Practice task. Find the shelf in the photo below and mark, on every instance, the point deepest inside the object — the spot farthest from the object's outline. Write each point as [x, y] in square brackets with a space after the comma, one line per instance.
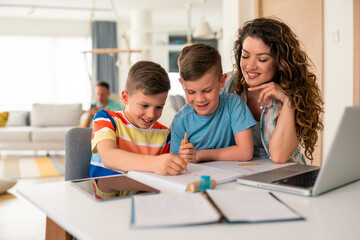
[111, 51]
[172, 48]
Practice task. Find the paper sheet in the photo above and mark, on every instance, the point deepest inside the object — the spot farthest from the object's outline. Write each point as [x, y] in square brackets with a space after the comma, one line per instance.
[181, 181]
[251, 206]
[265, 165]
[172, 210]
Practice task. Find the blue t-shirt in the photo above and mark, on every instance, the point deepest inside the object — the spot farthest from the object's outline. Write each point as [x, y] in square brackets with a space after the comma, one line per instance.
[214, 131]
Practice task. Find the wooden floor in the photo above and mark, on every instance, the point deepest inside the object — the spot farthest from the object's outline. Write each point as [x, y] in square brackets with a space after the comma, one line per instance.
[19, 219]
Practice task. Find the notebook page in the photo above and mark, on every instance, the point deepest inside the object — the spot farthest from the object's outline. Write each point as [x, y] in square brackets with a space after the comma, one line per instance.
[264, 165]
[251, 206]
[179, 182]
[163, 210]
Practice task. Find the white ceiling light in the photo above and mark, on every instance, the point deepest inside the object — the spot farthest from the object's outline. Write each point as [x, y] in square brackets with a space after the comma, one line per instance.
[203, 30]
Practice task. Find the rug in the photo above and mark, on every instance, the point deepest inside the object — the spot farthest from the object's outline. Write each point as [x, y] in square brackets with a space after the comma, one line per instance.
[32, 167]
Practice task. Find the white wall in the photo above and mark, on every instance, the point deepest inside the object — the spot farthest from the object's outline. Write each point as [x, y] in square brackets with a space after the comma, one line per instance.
[338, 65]
[43, 27]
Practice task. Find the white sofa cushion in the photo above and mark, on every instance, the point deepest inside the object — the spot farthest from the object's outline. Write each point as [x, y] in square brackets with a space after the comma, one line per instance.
[17, 119]
[15, 134]
[44, 115]
[49, 134]
[168, 114]
[177, 102]
[33, 146]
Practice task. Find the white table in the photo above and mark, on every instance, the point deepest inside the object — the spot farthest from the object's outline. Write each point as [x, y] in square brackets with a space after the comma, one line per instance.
[334, 215]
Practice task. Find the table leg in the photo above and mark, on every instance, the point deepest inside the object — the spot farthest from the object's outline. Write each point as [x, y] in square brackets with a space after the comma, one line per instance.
[54, 231]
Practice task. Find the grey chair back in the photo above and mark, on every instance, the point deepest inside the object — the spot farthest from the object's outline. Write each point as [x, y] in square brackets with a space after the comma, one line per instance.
[77, 153]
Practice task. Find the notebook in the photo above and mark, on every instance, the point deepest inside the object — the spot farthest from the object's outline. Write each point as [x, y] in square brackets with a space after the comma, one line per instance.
[211, 206]
[180, 182]
[342, 165]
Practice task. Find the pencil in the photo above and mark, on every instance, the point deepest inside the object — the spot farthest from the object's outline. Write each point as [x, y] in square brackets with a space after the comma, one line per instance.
[185, 141]
[249, 163]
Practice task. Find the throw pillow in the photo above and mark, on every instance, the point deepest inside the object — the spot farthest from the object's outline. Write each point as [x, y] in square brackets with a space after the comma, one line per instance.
[17, 119]
[45, 115]
[3, 118]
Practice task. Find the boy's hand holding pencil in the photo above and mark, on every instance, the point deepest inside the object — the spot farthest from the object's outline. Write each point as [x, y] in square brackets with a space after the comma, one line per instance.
[172, 164]
[187, 150]
[168, 164]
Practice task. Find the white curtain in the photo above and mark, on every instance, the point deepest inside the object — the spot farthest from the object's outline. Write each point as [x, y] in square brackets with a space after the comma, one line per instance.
[42, 70]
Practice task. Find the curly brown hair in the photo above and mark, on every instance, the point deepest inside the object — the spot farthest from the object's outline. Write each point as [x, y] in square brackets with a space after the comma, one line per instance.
[293, 74]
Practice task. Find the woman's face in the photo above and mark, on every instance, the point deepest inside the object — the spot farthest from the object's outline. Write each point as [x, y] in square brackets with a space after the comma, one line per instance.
[257, 64]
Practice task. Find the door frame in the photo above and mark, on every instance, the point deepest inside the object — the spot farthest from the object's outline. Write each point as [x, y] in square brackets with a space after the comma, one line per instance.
[356, 90]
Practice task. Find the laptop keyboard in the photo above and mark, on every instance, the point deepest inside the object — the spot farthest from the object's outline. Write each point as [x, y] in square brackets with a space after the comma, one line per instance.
[302, 180]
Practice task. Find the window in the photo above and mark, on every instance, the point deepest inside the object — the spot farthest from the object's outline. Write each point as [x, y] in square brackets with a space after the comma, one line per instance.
[42, 70]
[181, 40]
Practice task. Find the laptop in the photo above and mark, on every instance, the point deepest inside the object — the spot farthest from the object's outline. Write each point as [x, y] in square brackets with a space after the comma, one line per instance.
[342, 165]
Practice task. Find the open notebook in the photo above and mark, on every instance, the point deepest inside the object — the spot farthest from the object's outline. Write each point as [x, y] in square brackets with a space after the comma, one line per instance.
[180, 182]
[166, 210]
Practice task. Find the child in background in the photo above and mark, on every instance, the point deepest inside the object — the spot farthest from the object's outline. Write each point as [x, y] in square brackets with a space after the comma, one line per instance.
[133, 139]
[218, 125]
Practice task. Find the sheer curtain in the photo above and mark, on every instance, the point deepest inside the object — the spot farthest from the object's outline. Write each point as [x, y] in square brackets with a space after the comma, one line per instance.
[42, 70]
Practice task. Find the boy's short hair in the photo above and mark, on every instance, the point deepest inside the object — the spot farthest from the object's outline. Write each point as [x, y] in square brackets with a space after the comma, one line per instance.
[197, 59]
[149, 77]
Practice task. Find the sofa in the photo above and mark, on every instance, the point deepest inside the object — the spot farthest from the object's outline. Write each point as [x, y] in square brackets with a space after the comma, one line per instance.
[173, 104]
[42, 128]
[45, 126]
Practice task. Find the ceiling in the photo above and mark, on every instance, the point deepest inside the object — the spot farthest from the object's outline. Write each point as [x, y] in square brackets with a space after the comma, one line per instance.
[174, 11]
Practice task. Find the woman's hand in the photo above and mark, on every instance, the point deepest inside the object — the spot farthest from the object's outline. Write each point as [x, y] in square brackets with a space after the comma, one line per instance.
[283, 141]
[270, 90]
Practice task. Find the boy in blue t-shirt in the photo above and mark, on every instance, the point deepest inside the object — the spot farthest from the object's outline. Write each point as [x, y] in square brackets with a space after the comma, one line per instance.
[217, 125]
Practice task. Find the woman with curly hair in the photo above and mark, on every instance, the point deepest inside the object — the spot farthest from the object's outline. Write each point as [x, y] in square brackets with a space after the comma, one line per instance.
[273, 75]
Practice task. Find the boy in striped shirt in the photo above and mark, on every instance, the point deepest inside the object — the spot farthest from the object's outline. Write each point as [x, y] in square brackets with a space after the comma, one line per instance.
[133, 139]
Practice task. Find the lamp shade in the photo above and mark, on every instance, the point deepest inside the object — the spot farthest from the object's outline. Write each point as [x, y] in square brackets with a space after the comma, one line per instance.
[203, 31]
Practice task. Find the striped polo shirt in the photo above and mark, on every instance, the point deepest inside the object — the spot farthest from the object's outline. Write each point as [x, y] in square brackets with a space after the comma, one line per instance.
[114, 125]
